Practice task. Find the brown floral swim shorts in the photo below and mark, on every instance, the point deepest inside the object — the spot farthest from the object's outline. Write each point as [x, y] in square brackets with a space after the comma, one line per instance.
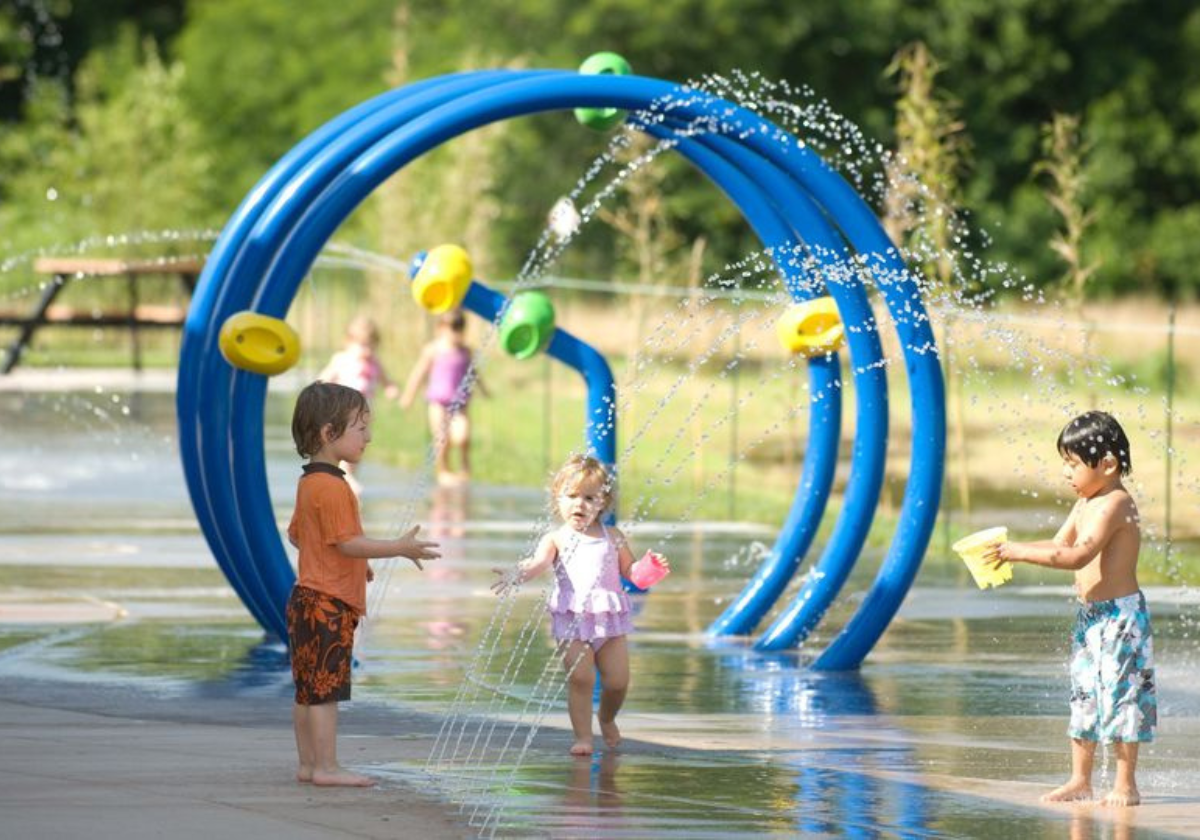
[321, 643]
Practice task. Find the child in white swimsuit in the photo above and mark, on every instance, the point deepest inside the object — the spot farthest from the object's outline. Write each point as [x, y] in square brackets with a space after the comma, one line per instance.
[357, 365]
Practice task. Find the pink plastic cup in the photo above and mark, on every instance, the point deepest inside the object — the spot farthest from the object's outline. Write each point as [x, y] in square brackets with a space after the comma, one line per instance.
[648, 571]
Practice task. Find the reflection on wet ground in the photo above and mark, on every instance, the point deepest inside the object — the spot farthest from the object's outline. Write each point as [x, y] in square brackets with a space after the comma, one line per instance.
[953, 728]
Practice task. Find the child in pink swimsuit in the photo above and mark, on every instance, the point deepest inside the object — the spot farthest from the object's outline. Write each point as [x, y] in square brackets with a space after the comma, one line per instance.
[445, 362]
[357, 366]
[589, 610]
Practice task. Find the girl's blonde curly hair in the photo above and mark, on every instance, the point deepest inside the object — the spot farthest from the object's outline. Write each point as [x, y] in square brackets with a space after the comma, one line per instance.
[577, 470]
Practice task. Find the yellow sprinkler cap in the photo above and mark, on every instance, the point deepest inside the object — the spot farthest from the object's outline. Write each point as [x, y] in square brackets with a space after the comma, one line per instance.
[258, 343]
[443, 279]
[812, 328]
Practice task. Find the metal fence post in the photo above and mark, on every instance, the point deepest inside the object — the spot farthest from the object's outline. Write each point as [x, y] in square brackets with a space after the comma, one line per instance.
[1170, 419]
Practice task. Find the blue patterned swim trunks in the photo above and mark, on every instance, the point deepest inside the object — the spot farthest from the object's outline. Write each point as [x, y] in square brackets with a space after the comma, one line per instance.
[1113, 695]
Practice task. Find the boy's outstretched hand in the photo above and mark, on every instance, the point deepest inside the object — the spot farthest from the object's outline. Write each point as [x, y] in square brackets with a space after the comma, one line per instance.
[416, 550]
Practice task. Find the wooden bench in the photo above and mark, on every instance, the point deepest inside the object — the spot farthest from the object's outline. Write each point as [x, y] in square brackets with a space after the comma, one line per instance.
[136, 316]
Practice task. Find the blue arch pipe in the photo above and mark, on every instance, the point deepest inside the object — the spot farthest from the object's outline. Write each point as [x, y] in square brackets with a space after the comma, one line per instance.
[296, 247]
[820, 462]
[868, 460]
[209, 491]
[242, 534]
[829, 574]
[600, 424]
[878, 256]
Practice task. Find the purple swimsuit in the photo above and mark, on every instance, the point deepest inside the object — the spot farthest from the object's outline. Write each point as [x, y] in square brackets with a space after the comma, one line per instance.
[446, 374]
[588, 602]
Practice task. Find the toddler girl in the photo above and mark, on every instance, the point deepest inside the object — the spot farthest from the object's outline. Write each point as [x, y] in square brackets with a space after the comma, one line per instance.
[357, 364]
[589, 610]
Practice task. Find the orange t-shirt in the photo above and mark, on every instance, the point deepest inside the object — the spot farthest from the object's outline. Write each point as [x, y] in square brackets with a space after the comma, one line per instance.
[327, 514]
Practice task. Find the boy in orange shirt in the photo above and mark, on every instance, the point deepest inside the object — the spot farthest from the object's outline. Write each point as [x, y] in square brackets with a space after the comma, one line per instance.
[330, 425]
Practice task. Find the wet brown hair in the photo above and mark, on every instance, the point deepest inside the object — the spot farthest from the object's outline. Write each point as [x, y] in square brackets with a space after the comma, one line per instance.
[577, 470]
[321, 404]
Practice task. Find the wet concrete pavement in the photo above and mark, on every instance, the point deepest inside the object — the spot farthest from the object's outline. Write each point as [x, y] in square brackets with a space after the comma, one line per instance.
[135, 692]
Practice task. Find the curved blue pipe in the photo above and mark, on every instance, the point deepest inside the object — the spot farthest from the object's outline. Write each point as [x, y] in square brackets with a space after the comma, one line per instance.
[901, 293]
[600, 421]
[553, 90]
[228, 479]
[820, 462]
[868, 458]
[868, 462]
[222, 532]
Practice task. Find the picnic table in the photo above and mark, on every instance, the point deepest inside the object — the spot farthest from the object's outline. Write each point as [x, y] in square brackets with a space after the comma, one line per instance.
[135, 315]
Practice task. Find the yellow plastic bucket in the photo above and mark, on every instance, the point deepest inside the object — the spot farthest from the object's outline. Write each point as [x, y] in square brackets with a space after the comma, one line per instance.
[974, 548]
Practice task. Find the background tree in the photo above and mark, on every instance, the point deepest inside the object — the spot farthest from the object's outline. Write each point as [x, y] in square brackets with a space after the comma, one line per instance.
[127, 157]
[1063, 164]
[922, 211]
[448, 194]
[1065, 192]
[261, 74]
[924, 193]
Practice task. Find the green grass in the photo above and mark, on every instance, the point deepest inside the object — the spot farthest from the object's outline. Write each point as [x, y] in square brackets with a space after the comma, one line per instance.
[109, 347]
[698, 459]
[669, 471]
[125, 578]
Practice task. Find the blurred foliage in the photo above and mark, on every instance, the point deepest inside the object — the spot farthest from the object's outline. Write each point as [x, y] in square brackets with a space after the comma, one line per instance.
[121, 152]
[1155, 370]
[209, 94]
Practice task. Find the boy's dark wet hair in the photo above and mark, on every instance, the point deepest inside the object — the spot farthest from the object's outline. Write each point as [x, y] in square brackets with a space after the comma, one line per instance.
[1091, 436]
[324, 403]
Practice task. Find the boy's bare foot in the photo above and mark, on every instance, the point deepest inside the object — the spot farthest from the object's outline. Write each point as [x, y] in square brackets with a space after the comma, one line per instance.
[341, 778]
[304, 775]
[1072, 791]
[581, 748]
[1122, 798]
[612, 735]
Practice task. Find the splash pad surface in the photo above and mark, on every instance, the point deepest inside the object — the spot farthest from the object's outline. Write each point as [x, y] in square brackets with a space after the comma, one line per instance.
[955, 723]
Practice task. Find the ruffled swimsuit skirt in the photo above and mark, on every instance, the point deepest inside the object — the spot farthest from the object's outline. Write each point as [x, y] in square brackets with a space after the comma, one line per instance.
[588, 602]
